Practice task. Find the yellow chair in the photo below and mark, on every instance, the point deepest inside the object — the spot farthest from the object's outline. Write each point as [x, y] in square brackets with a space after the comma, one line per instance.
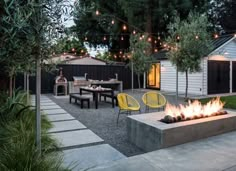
[153, 99]
[127, 104]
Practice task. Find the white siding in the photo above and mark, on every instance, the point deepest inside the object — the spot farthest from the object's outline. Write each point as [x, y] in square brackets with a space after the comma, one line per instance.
[204, 76]
[196, 84]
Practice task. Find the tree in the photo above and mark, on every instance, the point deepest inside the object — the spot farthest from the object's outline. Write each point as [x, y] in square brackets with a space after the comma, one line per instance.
[189, 41]
[69, 45]
[140, 57]
[222, 15]
[32, 26]
[150, 16]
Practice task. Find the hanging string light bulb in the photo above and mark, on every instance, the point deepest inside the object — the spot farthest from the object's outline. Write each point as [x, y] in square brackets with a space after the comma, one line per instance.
[97, 12]
[104, 38]
[85, 38]
[216, 36]
[112, 21]
[159, 38]
[122, 38]
[134, 32]
[155, 50]
[155, 42]
[149, 39]
[197, 37]
[124, 27]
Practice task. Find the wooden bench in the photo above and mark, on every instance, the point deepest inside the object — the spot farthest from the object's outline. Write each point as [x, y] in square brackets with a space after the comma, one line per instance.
[81, 98]
[108, 95]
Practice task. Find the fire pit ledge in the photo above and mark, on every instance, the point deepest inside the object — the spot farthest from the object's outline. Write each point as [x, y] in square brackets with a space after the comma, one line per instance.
[148, 133]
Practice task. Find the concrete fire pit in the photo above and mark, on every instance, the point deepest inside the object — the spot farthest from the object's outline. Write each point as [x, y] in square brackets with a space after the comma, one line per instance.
[147, 132]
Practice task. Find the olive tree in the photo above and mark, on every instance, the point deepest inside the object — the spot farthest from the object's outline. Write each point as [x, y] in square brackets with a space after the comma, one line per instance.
[189, 42]
[140, 58]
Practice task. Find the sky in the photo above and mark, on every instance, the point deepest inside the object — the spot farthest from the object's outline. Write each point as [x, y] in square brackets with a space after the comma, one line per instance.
[91, 51]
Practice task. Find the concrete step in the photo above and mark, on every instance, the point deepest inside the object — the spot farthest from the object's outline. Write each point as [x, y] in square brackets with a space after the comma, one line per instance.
[90, 157]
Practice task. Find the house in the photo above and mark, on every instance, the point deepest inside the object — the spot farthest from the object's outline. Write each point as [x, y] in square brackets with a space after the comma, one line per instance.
[77, 60]
[217, 75]
[85, 61]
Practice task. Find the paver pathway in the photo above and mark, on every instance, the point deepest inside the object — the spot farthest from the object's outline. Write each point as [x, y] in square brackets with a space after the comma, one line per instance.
[82, 148]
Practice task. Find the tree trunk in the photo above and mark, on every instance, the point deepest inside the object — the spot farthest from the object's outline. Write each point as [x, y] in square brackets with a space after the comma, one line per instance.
[10, 86]
[139, 84]
[24, 81]
[144, 80]
[14, 82]
[27, 88]
[186, 90]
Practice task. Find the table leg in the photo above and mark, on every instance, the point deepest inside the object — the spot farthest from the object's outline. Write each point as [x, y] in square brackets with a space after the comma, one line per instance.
[112, 98]
[80, 91]
[96, 100]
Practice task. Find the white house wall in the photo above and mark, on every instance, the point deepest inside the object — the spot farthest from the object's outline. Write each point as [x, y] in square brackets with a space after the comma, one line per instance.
[197, 81]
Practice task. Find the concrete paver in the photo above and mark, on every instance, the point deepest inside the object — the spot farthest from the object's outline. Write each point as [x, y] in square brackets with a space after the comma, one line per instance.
[60, 117]
[66, 126]
[74, 138]
[89, 157]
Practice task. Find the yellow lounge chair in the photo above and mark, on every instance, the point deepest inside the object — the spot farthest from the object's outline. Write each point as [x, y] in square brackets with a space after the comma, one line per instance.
[127, 104]
[153, 99]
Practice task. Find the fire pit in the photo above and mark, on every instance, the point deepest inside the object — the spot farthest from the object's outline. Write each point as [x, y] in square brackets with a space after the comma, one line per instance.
[194, 110]
[149, 132]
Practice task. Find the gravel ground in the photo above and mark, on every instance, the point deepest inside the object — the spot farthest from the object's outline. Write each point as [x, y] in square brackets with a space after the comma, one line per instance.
[102, 121]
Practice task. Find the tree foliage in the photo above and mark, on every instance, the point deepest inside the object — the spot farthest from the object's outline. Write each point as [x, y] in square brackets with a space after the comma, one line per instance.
[27, 31]
[222, 15]
[69, 45]
[140, 58]
[189, 42]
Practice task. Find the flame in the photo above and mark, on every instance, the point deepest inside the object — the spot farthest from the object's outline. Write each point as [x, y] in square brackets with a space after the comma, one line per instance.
[195, 108]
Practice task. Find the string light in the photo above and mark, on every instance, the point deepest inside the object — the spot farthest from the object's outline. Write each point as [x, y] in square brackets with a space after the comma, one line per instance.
[97, 12]
[104, 38]
[73, 49]
[177, 37]
[159, 38]
[64, 53]
[155, 42]
[216, 36]
[124, 27]
[122, 38]
[112, 21]
[235, 35]
[85, 38]
[82, 51]
[134, 32]
[155, 50]
[197, 37]
[149, 39]
[120, 52]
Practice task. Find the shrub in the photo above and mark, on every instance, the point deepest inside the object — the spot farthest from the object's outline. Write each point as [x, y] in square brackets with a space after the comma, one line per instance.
[17, 138]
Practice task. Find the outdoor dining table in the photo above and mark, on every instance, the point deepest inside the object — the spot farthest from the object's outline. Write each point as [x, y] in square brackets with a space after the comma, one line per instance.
[96, 91]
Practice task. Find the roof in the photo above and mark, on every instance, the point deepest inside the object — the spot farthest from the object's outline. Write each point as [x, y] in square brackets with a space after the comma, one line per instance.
[216, 43]
[78, 58]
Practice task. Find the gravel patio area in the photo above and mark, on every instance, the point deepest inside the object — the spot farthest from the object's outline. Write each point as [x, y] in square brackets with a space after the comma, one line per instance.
[102, 121]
